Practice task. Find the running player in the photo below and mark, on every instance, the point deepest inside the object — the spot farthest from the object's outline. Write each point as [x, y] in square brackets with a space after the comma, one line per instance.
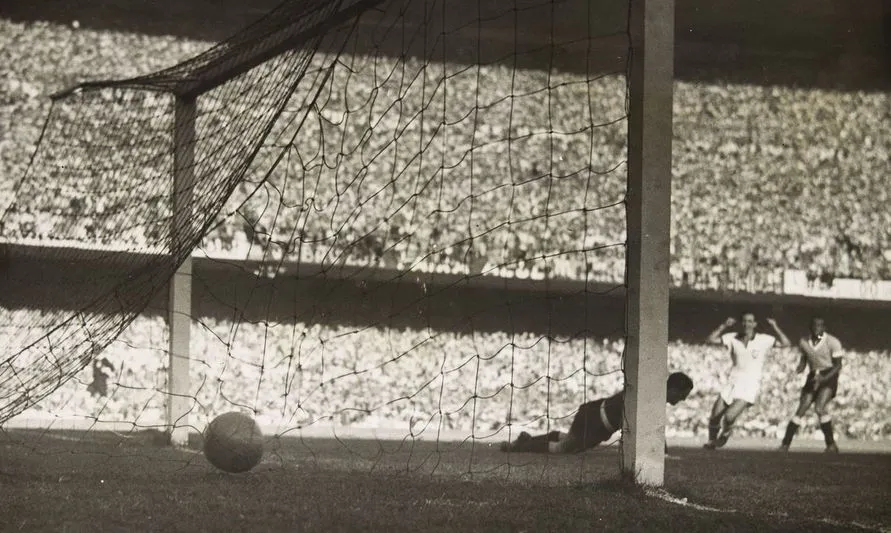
[822, 353]
[748, 349]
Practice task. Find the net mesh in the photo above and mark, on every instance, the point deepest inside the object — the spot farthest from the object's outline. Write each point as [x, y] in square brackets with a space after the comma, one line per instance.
[386, 204]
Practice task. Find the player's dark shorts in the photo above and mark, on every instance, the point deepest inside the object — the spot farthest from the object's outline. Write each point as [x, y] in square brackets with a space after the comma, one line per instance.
[831, 384]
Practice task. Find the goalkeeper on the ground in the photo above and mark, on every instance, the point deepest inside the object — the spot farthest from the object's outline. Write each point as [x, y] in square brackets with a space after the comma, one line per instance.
[595, 422]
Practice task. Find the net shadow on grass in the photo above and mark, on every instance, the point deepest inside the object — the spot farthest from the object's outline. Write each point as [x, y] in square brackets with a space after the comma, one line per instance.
[336, 483]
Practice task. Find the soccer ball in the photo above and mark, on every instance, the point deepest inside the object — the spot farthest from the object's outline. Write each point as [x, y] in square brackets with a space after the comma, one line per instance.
[233, 442]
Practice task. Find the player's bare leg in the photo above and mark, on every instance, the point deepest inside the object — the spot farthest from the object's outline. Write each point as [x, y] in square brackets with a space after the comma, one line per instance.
[804, 403]
[821, 405]
[714, 422]
[730, 415]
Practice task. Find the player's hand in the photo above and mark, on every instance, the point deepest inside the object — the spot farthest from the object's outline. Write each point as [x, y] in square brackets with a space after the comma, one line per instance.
[772, 322]
[729, 322]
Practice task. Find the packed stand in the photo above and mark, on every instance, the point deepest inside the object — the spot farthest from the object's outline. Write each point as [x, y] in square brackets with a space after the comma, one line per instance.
[765, 178]
[295, 375]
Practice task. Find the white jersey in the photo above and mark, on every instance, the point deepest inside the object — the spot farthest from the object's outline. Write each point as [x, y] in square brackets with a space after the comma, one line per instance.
[748, 358]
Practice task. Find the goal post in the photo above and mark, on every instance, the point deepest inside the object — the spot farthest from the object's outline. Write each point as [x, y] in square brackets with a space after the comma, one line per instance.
[179, 321]
[649, 221]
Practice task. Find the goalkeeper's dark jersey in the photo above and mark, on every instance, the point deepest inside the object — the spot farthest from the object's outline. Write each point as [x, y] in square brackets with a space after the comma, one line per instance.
[597, 421]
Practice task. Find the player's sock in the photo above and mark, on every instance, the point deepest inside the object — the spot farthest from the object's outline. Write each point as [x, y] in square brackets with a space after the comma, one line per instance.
[791, 430]
[725, 433]
[526, 443]
[554, 436]
[714, 427]
[723, 438]
[826, 426]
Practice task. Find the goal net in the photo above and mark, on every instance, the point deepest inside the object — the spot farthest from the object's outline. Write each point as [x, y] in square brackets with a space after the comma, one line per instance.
[404, 220]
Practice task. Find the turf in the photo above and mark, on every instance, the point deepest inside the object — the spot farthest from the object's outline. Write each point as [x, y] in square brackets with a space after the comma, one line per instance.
[98, 481]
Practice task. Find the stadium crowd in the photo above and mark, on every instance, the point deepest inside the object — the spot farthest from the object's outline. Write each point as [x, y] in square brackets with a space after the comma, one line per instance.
[765, 178]
[294, 375]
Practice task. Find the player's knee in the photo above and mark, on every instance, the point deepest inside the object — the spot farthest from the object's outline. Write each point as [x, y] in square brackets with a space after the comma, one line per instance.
[731, 415]
[804, 406]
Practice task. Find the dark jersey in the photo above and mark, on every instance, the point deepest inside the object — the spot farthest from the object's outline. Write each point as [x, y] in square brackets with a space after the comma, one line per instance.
[596, 421]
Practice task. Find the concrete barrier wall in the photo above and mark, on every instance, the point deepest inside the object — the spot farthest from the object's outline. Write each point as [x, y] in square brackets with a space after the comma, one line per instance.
[232, 290]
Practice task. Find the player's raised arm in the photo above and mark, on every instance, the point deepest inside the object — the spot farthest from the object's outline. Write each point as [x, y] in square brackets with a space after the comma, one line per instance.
[715, 336]
[784, 340]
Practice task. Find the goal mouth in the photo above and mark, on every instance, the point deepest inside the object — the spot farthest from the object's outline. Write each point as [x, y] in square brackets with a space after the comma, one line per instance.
[363, 216]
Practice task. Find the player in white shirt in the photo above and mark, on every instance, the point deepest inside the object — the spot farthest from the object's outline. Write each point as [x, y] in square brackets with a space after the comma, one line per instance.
[748, 349]
[822, 353]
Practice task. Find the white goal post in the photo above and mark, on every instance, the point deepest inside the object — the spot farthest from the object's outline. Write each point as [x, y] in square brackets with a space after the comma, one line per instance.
[649, 222]
[179, 397]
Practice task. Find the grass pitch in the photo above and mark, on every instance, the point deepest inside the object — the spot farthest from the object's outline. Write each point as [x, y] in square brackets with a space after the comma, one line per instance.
[103, 481]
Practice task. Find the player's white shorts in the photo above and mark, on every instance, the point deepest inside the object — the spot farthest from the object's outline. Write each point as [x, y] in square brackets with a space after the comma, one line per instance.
[743, 388]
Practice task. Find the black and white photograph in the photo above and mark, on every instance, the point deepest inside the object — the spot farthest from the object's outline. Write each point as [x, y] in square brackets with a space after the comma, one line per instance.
[445, 266]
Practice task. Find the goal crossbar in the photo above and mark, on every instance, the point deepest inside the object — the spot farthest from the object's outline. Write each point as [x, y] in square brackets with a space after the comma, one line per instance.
[283, 29]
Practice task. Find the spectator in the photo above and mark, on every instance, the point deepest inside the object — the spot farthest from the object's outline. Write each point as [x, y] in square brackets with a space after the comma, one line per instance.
[103, 369]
